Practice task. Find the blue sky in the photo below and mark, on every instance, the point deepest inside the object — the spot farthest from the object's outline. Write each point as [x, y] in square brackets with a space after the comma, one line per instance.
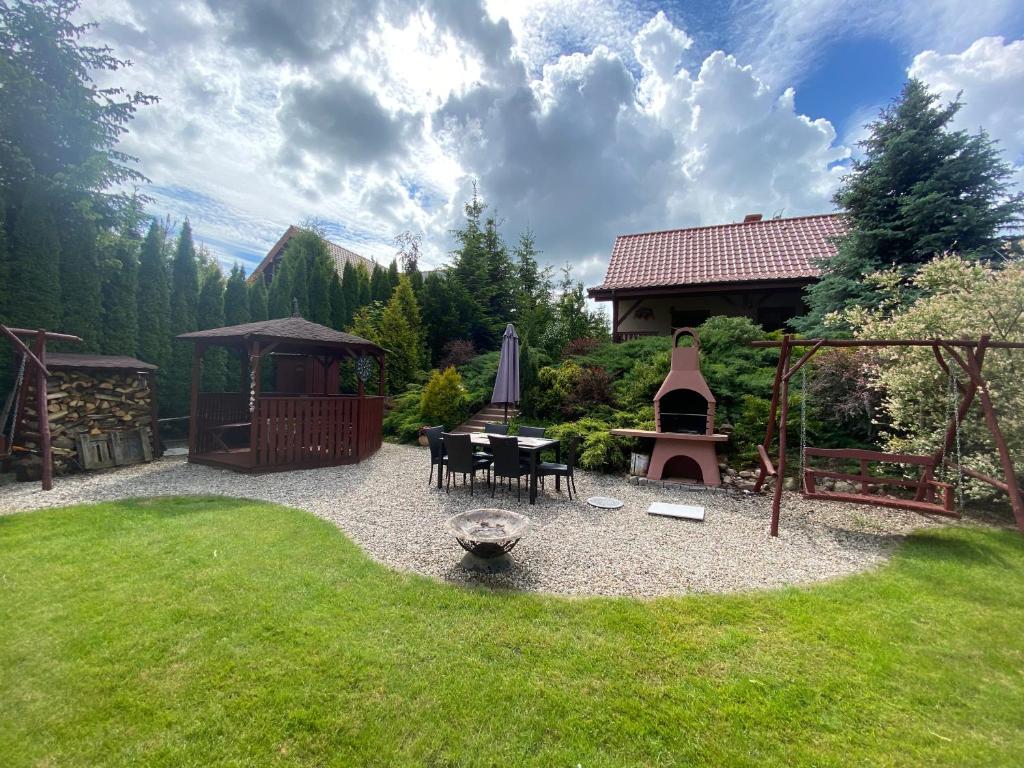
[579, 119]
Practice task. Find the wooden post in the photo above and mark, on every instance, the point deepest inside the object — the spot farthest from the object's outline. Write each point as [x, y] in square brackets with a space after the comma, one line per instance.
[780, 466]
[780, 370]
[254, 388]
[197, 369]
[154, 416]
[41, 409]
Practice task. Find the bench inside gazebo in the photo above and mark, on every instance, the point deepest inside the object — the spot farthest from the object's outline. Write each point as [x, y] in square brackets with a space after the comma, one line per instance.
[302, 420]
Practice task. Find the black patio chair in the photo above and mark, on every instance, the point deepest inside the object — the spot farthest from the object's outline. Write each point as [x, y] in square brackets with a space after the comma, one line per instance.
[437, 452]
[462, 461]
[508, 464]
[566, 470]
[496, 429]
[532, 431]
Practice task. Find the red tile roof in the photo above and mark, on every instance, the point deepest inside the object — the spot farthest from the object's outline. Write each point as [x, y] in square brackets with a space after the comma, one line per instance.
[773, 249]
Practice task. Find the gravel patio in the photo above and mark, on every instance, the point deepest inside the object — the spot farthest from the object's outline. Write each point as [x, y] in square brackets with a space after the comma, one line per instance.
[386, 506]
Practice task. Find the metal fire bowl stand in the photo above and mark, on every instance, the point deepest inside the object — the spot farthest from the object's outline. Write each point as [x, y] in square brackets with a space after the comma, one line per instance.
[488, 535]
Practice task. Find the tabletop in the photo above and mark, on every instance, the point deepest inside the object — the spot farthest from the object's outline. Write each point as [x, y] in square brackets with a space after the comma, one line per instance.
[529, 443]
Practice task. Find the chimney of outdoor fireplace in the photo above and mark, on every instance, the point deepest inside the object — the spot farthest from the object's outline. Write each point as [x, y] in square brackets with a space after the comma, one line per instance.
[750, 218]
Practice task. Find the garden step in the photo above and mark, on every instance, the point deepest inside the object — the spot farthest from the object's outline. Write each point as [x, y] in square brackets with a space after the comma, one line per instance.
[489, 414]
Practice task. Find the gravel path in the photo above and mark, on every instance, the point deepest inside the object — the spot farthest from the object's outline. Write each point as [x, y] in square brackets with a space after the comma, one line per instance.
[386, 506]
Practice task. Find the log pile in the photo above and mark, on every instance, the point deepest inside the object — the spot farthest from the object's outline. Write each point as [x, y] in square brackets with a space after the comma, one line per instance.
[95, 402]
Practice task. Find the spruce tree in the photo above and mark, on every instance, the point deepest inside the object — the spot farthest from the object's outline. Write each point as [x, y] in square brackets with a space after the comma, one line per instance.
[338, 308]
[80, 278]
[210, 314]
[154, 298]
[258, 299]
[920, 189]
[350, 288]
[34, 287]
[120, 292]
[184, 300]
[236, 297]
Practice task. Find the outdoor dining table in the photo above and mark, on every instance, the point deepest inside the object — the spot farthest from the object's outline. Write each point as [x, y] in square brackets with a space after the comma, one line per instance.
[532, 446]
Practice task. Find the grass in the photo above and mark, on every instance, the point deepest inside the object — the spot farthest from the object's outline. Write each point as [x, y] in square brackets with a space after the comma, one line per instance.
[196, 631]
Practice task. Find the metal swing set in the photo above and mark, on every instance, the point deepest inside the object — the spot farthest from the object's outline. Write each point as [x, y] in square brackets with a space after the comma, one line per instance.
[931, 496]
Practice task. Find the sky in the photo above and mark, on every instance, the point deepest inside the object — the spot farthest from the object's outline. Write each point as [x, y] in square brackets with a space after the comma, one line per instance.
[577, 120]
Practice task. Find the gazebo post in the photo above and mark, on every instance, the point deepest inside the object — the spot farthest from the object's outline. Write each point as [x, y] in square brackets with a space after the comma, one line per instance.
[380, 378]
[254, 387]
[197, 369]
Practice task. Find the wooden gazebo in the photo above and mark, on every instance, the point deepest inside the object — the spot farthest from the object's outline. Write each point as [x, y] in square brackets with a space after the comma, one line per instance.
[306, 421]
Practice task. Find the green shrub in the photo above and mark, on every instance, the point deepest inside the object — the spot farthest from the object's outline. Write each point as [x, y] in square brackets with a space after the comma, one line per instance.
[404, 419]
[478, 379]
[444, 400]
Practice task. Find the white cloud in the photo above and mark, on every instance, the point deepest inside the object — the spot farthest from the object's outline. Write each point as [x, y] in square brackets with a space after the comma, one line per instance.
[990, 76]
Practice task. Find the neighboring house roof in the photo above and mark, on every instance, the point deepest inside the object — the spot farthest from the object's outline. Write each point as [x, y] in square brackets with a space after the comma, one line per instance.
[114, 362]
[339, 255]
[753, 250]
[290, 332]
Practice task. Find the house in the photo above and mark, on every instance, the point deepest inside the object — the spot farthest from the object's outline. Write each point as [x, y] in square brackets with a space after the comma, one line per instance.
[758, 268]
[339, 255]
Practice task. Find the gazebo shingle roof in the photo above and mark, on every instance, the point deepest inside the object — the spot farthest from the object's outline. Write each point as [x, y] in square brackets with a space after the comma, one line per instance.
[292, 330]
[773, 249]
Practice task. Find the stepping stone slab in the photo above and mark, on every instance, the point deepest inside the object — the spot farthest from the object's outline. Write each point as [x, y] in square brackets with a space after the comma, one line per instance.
[604, 502]
[684, 511]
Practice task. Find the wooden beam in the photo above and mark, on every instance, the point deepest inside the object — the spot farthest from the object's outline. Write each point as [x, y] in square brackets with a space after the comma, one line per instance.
[629, 311]
[197, 369]
[254, 389]
[780, 465]
[946, 343]
[43, 413]
[50, 335]
[802, 361]
[780, 370]
[10, 333]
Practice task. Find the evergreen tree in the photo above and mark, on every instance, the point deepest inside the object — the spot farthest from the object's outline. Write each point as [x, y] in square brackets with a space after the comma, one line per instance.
[408, 246]
[320, 279]
[34, 287]
[5, 267]
[399, 335]
[120, 292]
[296, 257]
[393, 274]
[154, 299]
[380, 288]
[258, 299]
[210, 314]
[338, 308]
[236, 297]
[279, 297]
[80, 278]
[184, 300]
[350, 289]
[533, 290]
[446, 310]
[921, 189]
[365, 295]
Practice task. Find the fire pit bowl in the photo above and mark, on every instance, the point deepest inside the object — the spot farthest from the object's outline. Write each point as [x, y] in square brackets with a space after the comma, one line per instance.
[488, 535]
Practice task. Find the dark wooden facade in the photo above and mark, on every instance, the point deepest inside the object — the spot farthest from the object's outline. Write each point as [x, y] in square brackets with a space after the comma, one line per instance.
[306, 423]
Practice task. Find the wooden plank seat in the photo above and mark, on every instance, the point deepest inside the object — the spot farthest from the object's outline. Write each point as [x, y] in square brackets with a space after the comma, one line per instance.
[931, 496]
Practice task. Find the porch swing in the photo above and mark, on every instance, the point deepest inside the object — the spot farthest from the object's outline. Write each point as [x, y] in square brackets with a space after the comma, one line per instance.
[931, 496]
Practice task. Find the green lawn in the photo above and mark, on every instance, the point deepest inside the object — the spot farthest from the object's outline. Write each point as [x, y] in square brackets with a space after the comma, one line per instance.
[216, 632]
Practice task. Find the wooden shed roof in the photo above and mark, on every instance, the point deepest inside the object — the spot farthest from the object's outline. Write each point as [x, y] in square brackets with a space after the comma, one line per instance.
[112, 362]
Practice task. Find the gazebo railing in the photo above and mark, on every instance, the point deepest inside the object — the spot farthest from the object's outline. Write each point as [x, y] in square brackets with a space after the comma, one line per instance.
[214, 409]
[311, 431]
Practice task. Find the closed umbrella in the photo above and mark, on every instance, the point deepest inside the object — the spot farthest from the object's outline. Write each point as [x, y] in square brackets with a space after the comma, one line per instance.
[506, 384]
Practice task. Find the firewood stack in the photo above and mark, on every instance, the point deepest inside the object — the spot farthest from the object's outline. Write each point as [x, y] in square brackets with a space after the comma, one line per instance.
[96, 402]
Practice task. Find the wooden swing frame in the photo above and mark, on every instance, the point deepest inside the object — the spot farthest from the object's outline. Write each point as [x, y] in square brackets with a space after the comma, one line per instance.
[968, 355]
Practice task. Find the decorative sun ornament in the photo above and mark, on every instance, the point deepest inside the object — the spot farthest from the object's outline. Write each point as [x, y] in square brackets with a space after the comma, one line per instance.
[364, 368]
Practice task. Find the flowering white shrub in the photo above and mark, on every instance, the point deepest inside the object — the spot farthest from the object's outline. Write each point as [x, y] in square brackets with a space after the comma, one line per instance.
[948, 298]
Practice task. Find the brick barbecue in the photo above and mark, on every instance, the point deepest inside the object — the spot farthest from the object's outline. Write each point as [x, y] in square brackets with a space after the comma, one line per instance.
[684, 417]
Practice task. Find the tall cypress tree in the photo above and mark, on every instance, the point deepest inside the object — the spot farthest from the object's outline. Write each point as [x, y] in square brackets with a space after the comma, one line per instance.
[350, 289]
[297, 258]
[258, 299]
[921, 189]
[184, 300]
[80, 272]
[337, 302]
[210, 314]
[5, 265]
[393, 274]
[279, 297]
[320, 285]
[380, 288]
[120, 292]
[34, 287]
[154, 299]
[365, 295]
[236, 297]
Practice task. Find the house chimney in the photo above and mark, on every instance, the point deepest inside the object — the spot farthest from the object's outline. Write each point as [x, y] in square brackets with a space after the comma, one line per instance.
[750, 218]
